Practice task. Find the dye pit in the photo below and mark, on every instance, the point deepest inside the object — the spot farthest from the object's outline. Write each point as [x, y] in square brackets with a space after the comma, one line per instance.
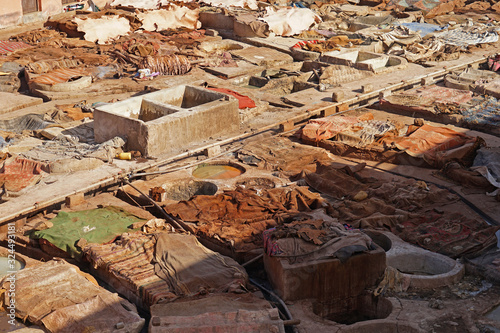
[217, 171]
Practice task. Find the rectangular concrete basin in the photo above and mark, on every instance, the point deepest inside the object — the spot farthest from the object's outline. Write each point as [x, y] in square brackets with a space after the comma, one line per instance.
[167, 120]
[325, 279]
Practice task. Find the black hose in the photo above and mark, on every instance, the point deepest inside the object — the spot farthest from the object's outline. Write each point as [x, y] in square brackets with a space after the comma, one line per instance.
[276, 299]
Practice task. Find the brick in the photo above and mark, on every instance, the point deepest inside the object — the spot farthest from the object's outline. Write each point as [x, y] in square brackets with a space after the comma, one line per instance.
[328, 111]
[338, 96]
[74, 200]
[213, 151]
[367, 88]
[342, 107]
[287, 126]
[426, 81]
[384, 94]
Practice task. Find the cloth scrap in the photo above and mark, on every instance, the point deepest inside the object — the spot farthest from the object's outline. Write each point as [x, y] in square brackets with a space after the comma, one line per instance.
[243, 101]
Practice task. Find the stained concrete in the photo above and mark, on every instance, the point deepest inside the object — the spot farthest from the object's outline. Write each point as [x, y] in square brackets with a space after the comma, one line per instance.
[11, 102]
[167, 120]
[325, 279]
[223, 313]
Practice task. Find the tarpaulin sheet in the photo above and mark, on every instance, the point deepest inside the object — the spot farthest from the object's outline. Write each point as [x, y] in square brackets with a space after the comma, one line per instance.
[7, 47]
[429, 141]
[60, 297]
[326, 128]
[99, 226]
[243, 101]
[487, 163]
[188, 266]
[30, 122]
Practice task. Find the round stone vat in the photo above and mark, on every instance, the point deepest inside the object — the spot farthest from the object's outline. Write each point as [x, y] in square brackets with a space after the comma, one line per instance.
[10, 264]
[258, 183]
[218, 171]
[381, 326]
[352, 310]
[184, 190]
[427, 270]
[380, 239]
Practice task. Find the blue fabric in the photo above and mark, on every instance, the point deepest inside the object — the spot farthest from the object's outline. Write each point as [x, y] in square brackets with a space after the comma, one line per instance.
[485, 111]
[424, 28]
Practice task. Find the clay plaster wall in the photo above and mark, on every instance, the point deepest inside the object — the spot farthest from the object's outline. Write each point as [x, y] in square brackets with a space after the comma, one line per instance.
[11, 13]
[101, 3]
[51, 7]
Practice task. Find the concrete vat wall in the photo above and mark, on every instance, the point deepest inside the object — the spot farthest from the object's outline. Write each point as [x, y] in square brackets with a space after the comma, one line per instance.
[167, 120]
[326, 279]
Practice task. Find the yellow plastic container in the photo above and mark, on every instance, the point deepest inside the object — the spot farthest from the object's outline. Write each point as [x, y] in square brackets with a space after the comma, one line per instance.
[124, 156]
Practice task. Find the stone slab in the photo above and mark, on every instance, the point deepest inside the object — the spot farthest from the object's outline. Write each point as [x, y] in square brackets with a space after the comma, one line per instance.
[263, 56]
[11, 102]
[244, 68]
[216, 313]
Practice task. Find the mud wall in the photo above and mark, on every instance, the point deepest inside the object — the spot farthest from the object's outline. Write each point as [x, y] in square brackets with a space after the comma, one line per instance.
[51, 7]
[11, 13]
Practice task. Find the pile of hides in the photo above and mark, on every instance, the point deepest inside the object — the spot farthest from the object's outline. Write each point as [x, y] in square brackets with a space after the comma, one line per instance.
[127, 262]
[358, 131]
[403, 206]
[451, 234]
[436, 145]
[315, 240]
[282, 155]
[103, 29]
[240, 216]
[250, 4]
[427, 99]
[163, 266]
[334, 75]
[166, 65]
[61, 298]
[8, 47]
[101, 225]
[289, 22]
